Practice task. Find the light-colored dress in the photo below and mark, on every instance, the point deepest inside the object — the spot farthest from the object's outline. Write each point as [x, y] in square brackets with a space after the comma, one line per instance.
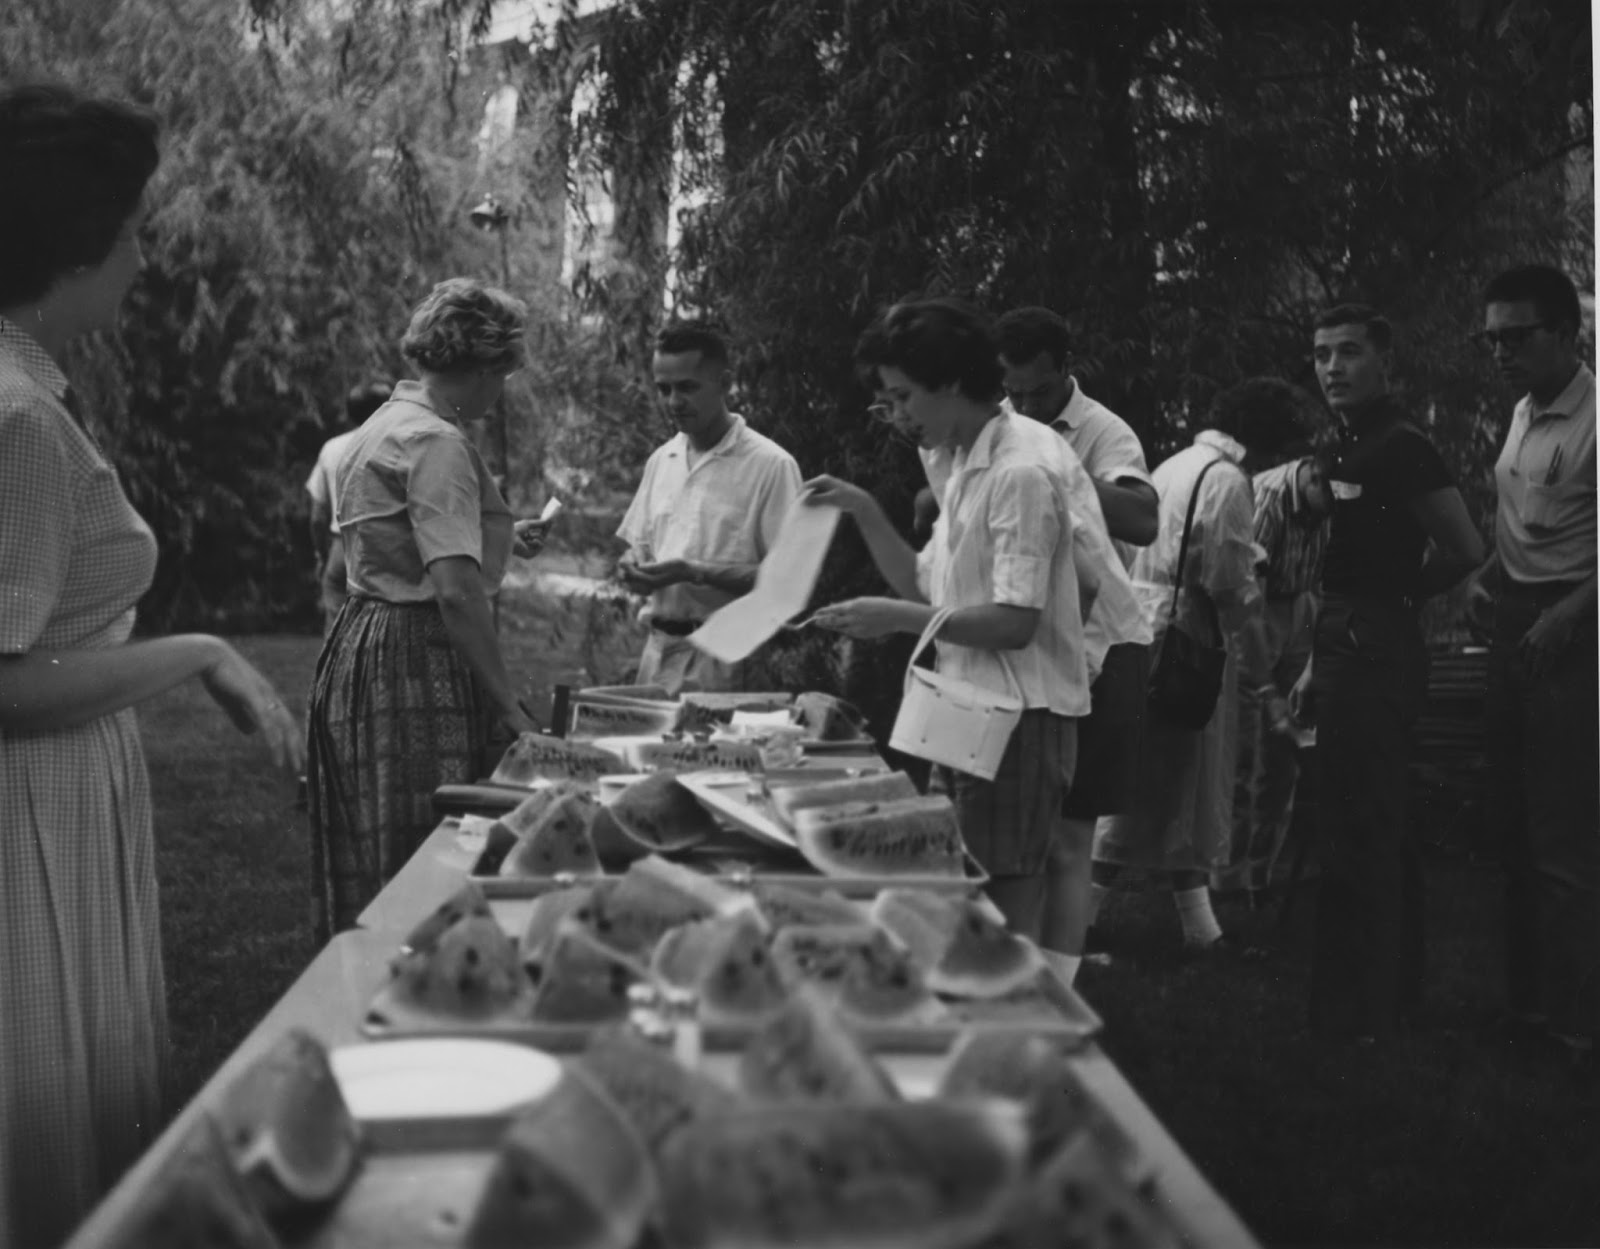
[83, 1030]
[1184, 816]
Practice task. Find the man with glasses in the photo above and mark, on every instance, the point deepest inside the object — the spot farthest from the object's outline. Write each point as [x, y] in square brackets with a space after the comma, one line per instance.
[1538, 588]
[707, 511]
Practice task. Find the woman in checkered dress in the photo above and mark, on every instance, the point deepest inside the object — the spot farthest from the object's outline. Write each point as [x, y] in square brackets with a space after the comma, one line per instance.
[82, 1010]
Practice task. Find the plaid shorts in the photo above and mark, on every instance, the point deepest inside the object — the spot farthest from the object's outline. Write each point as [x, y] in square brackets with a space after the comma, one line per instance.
[1007, 822]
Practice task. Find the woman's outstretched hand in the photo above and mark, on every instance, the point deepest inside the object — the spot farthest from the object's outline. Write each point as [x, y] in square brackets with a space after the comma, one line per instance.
[253, 705]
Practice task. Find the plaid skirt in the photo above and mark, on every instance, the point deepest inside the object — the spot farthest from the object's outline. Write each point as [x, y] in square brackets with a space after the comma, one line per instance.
[394, 714]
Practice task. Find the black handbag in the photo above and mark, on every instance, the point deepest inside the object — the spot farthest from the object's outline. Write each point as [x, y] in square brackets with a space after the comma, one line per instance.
[1185, 673]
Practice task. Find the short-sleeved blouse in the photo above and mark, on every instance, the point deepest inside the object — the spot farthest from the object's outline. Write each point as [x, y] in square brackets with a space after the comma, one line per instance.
[412, 489]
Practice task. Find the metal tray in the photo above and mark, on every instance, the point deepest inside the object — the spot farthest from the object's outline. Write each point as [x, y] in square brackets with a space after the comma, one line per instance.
[740, 862]
[415, 1188]
[1051, 1008]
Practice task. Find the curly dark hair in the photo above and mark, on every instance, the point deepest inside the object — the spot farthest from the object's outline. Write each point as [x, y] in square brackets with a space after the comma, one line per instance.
[1266, 414]
[462, 325]
[75, 169]
[935, 342]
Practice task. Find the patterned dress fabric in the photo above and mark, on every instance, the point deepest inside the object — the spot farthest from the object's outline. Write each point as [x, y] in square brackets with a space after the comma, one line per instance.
[395, 714]
[83, 1029]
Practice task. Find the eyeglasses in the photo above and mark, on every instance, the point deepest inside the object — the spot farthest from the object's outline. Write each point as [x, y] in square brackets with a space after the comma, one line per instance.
[1511, 337]
[883, 413]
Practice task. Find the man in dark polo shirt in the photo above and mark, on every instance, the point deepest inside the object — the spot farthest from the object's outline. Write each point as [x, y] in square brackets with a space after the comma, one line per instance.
[1543, 675]
[1399, 533]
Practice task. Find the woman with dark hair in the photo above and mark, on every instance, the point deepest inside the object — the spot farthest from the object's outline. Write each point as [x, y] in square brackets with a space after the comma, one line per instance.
[83, 1033]
[411, 689]
[1181, 825]
[1002, 556]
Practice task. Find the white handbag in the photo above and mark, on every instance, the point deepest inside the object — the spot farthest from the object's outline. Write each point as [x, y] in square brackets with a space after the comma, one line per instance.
[951, 721]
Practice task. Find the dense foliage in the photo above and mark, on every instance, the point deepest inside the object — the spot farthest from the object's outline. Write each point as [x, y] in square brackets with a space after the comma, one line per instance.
[302, 206]
[1186, 182]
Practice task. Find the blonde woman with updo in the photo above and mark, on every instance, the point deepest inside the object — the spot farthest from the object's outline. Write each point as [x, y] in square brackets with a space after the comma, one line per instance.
[411, 687]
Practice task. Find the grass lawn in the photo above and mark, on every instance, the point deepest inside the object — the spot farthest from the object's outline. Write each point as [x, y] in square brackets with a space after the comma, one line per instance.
[1434, 1140]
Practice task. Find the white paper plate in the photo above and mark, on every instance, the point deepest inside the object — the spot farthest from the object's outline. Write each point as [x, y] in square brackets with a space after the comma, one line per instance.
[447, 1078]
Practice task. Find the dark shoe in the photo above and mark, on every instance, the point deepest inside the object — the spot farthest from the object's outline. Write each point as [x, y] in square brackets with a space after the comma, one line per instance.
[1224, 947]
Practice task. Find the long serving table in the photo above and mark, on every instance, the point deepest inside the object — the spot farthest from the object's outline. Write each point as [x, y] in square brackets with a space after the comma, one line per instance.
[331, 995]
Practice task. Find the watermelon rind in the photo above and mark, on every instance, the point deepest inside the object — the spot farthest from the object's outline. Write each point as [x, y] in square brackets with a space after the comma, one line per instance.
[571, 1173]
[902, 837]
[787, 800]
[909, 1175]
[288, 1131]
[804, 1051]
[195, 1200]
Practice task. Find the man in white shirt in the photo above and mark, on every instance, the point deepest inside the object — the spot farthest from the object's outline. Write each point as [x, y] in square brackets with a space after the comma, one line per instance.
[1035, 348]
[1543, 677]
[707, 511]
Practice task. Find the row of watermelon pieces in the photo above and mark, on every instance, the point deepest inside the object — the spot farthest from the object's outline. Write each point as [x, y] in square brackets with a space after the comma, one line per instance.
[627, 710]
[876, 826]
[736, 953]
[813, 1148]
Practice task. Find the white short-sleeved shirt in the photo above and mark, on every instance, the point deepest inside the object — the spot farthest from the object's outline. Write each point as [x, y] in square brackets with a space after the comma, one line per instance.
[1106, 443]
[1115, 614]
[1110, 450]
[320, 485]
[1545, 524]
[725, 509]
[1005, 535]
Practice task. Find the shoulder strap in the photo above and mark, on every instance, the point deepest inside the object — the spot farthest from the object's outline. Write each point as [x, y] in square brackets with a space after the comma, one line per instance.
[1188, 524]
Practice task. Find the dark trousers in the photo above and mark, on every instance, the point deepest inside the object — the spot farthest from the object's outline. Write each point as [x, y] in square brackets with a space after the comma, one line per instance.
[1544, 750]
[1369, 679]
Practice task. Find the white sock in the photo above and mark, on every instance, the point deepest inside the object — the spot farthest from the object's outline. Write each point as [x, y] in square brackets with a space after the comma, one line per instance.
[1067, 965]
[1097, 895]
[1200, 926]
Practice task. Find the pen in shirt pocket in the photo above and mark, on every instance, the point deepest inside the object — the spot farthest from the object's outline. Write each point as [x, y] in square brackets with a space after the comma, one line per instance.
[1554, 469]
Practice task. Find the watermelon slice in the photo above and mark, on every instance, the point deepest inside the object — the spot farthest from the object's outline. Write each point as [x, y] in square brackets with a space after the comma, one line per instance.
[658, 1094]
[984, 958]
[804, 1052]
[582, 980]
[783, 905]
[287, 1128]
[538, 756]
[1079, 1198]
[547, 912]
[195, 1200]
[471, 973]
[570, 1174]
[655, 895]
[878, 787]
[830, 719]
[1037, 1073]
[726, 962]
[858, 969]
[907, 1175]
[653, 814]
[558, 841]
[465, 901]
[901, 837]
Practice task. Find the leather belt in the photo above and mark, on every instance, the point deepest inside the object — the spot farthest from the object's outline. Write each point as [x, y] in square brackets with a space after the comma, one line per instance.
[674, 628]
